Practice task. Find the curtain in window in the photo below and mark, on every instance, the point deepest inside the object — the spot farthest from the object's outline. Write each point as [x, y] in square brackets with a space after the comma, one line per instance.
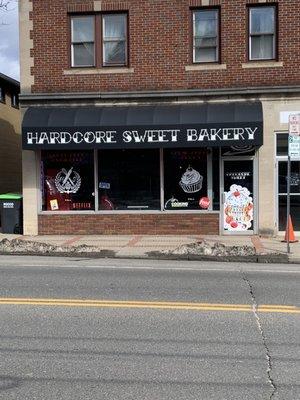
[114, 39]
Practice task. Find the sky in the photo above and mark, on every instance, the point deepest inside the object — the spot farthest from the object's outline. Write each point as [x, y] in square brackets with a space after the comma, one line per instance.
[9, 41]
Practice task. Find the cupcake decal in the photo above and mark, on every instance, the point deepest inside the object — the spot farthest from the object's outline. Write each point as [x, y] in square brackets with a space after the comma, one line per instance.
[191, 181]
[238, 209]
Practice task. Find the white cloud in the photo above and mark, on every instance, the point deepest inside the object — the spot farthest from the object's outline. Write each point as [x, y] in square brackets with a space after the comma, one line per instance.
[9, 42]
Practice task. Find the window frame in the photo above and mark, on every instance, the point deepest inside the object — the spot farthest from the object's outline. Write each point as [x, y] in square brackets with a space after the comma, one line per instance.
[2, 95]
[77, 16]
[217, 9]
[14, 103]
[274, 34]
[280, 158]
[211, 210]
[102, 41]
[98, 40]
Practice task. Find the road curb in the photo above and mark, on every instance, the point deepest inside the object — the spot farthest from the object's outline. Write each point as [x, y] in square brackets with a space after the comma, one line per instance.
[263, 258]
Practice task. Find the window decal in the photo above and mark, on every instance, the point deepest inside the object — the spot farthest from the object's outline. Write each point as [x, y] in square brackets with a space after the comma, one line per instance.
[238, 209]
[191, 181]
[67, 181]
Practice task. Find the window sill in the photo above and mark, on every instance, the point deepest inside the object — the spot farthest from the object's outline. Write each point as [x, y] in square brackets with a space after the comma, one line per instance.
[205, 67]
[120, 212]
[98, 71]
[262, 64]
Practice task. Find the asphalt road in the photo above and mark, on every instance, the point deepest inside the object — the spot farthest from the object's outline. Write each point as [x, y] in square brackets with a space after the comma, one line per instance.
[113, 329]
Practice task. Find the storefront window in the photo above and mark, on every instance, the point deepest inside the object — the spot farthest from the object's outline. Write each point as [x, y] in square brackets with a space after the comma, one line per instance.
[295, 211]
[129, 179]
[216, 178]
[185, 179]
[282, 144]
[67, 180]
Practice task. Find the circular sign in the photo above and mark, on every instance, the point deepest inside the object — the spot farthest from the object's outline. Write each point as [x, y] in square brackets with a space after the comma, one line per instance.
[204, 202]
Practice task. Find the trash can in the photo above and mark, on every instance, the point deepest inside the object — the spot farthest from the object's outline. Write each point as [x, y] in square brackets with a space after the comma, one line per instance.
[11, 213]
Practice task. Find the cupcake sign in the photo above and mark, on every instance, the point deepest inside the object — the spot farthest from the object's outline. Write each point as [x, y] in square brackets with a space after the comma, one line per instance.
[238, 209]
[191, 181]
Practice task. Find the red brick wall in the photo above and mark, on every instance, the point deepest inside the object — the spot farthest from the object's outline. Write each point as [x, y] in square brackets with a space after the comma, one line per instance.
[127, 224]
[160, 47]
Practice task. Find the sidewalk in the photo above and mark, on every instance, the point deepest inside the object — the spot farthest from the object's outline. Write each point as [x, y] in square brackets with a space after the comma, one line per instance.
[138, 246]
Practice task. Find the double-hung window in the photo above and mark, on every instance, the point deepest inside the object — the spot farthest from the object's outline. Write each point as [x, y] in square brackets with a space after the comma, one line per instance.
[99, 40]
[83, 41]
[205, 35]
[262, 33]
[114, 40]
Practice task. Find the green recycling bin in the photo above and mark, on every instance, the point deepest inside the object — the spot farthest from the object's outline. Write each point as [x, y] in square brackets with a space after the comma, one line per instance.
[11, 213]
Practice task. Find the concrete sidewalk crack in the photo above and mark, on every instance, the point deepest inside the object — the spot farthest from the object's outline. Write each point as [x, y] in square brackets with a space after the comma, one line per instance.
[263, 336]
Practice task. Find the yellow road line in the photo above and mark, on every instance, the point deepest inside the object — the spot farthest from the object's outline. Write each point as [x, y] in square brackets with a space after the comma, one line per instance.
[268, 308]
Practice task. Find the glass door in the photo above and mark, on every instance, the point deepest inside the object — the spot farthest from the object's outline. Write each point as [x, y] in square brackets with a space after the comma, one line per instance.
[282, 194]
[238, 196]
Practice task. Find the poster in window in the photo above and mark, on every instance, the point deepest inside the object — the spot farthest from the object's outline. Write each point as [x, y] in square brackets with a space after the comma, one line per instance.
[238, 209]
[67, 180]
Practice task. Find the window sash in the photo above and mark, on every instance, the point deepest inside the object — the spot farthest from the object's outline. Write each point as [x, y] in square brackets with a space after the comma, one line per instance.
[73, 55]
[262, 34]
[77, 42]
[114, 39]
[273, 50]
[206, 36]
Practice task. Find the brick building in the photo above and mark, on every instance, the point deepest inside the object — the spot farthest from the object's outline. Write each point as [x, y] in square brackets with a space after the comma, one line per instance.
[158, 116]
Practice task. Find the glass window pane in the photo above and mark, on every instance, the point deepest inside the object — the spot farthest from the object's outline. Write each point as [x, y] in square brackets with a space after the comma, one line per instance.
[114, 53]
[262, 20]
[206, 42]
[114, 26]
[83, 29]
[295, 212]
[129, 180]
[216, 178]
[206, 23]
[282, 144]
[67, 180]
[83, 54]
[185, 178]
[238, 189]
[282, 177]
[206, 54]
[262, 47]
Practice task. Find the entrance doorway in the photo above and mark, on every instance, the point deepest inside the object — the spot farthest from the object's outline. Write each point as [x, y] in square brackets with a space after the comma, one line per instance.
[238, 209]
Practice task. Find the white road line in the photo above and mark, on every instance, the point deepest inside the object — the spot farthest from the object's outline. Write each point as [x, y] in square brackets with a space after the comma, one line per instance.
[154, 268]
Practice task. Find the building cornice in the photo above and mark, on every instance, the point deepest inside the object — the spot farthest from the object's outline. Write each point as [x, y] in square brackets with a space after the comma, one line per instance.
[163, 94]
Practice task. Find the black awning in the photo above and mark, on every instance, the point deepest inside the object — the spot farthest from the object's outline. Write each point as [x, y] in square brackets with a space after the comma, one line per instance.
[185, 125]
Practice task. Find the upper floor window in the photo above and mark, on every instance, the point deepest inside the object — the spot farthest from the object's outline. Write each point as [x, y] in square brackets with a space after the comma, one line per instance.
[99, 40]
[114, 39]
[15, 100]
[2, 95]
[83, 41]
[262, 33]
[205, 35]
